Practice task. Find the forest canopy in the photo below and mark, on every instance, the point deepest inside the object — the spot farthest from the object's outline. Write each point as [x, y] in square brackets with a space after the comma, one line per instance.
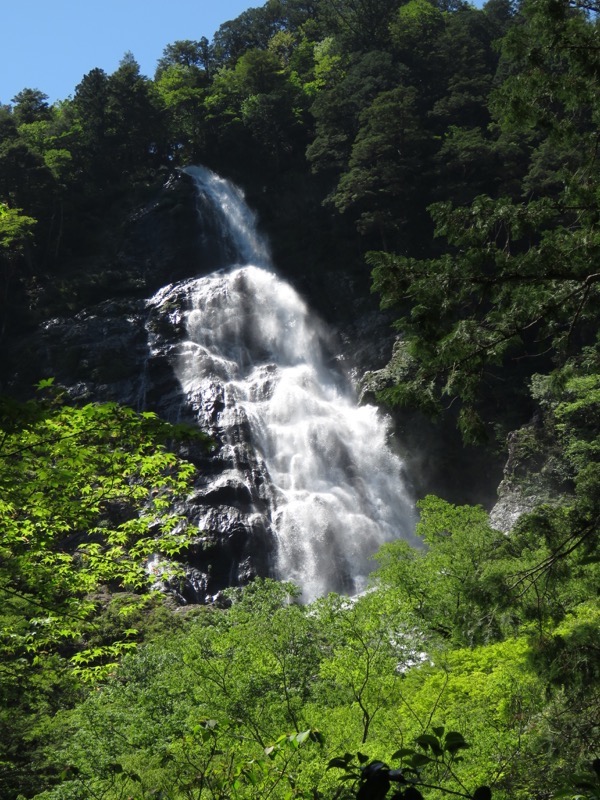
[451, 152]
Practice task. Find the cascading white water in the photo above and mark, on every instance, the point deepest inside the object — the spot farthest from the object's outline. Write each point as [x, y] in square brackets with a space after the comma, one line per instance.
[333, 489]
[235, 221]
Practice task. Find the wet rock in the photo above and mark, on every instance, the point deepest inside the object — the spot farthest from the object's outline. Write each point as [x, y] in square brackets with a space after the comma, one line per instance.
[533, 474]
[136, 351]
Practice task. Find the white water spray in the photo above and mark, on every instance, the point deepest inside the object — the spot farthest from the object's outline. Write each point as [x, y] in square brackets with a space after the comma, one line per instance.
[333, 489]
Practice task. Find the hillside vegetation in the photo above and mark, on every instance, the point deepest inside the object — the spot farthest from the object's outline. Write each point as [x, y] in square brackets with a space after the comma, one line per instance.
[452, 152]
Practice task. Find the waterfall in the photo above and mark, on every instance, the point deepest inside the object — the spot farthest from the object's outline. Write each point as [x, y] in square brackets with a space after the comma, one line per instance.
[257, 369]
[233, 222]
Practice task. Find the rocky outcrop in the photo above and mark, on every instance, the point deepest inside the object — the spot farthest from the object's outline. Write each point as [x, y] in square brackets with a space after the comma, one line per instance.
[126, 348]
[534, 474]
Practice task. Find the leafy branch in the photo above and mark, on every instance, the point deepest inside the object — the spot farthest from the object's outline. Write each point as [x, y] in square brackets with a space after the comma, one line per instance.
[436, 752]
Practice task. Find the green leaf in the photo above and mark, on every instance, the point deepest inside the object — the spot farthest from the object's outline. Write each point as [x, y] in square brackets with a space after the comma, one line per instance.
[426, 741]
[419, 760]
[340, 763]
[454, 741]
[302, 736]
[404, 752]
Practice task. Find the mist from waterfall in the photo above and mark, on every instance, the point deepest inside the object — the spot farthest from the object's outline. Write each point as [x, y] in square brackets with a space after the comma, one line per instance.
[331, 489]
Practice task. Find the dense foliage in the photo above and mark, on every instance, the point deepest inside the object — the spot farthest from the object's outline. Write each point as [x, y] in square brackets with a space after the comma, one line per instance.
[514, 289]
[349, 117]
[87, 497]
[455, 150]
[268, 698]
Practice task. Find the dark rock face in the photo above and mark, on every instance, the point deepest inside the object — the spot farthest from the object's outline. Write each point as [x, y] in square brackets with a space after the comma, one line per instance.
[161, 241]
[534, 474]
[96, 354]
[125, 348]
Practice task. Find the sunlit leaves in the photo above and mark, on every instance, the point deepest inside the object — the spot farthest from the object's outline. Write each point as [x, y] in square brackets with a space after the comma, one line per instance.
[87, 497]
[428, 765]
[15, 228]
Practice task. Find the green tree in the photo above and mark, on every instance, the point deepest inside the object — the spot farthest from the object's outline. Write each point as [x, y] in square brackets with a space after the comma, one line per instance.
[182, 92]
[189, 54]
[363, 660]
[387, 160]
[135, 131]
[30, 105]
[200, 713]
[251, 30]
[120, 127]
[16, 234]
[87, 498]
[517, 283]
[521, 280]
[90, 116]
[346, 86]
[361, 25]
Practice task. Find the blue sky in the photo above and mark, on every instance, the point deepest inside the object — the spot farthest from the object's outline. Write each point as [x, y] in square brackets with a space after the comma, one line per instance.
[51, 44]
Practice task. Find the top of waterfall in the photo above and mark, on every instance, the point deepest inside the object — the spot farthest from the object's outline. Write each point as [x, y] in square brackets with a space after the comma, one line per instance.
[236, 220]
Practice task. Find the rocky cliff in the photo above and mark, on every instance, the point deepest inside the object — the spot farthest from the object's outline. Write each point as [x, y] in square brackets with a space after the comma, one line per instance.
[111, 342]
